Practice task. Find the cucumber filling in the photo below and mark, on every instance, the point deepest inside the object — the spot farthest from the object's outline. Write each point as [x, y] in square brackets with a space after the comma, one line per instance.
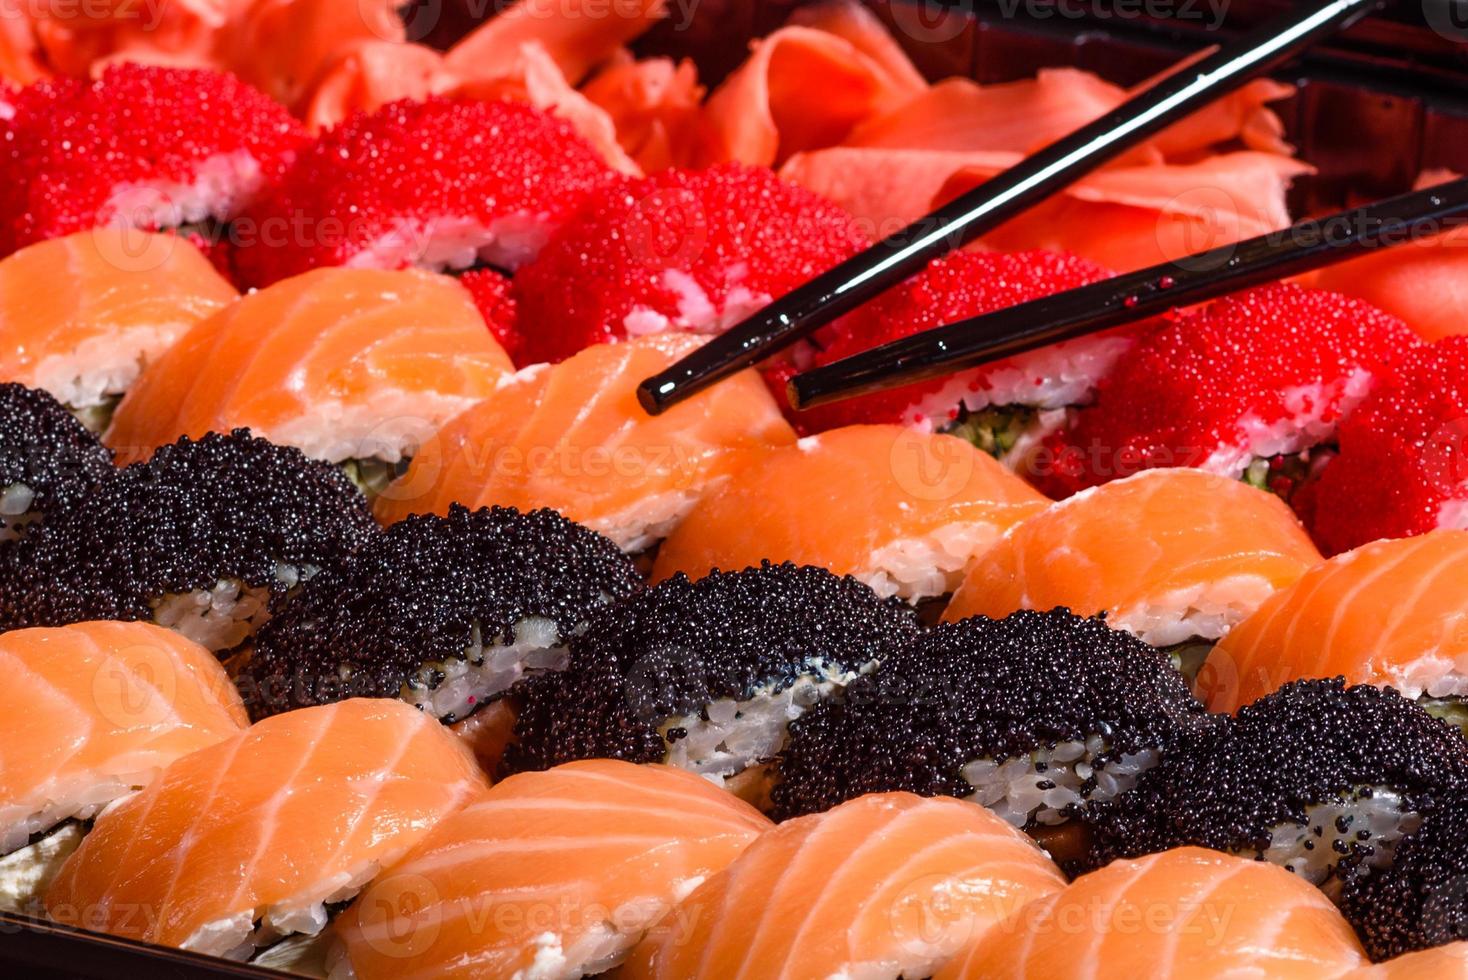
[1453, 710]
[996, 429]
[1187, 657]
[96, 418]
[373, 475]
[1284, 475]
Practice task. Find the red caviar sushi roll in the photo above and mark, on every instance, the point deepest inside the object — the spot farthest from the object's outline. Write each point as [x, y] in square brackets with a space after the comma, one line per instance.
[1251, 387]
[683, 250]
[143, 146]
[443, 184]
[491, 293]
[1401, 469]
[1000, 407]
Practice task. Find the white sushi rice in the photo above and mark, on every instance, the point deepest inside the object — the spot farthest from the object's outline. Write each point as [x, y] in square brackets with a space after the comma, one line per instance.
[15, 511]
[90, 378]
[919, 568]
[697, 311]
[225, 615]
[238, 936]
[1040, 787]
[643, 524]
[78, 798]
[1200, 612]
[1309, 849]
[452, 689]
[389, 429]
[1454, 513]
[221, 187]
[736, 735]
[26, 873]
[452, 243]
[1304, 427]
[1059, 376]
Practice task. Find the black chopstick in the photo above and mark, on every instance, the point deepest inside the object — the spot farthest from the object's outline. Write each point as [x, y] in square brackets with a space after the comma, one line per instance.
[1125, 299]
[998, 199]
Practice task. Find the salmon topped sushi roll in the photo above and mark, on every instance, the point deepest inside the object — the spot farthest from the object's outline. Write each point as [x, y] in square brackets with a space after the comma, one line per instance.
[81, 316]
[353, 366]
[207, 538]
[1039, 716]
[708, 675]
[48, 460]
[549, 875]
[1250, 387]
[1183, 913]
[439, 184]
[572, 437]
[903, 511]
[1175, 557]
[1448, 962]
[1322, 779]
[886, 886]
[1390, 613]
[252, 839]
[447, 613]
[95, 712]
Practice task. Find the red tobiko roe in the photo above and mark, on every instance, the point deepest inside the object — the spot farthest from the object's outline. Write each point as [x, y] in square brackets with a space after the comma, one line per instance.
[1261, 373]
[149, 146]
[440, 184]
[953, 287]
[491, 293]
[1403, 463]
[693, 250]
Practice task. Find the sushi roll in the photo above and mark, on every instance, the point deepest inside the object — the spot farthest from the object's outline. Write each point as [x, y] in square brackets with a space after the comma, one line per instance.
[1003, 408]
[1439, 963]
[548, 875]
[48, 461]
[1402, 468]
[1419, 902]
[96, 712]
[446, 613]
[82, 315]
[1250, 387]
[253, 840]
[683, 250]
[707, 675]
[887, 886]
[1175, 557]
[1319, 778]
[206, 538]
[490, 291]
[140, 146]
[1039, 716]
[1389, 613]
[1184, 913]
[353, 366]
[573, 438]
[442, 185]
[900, 510]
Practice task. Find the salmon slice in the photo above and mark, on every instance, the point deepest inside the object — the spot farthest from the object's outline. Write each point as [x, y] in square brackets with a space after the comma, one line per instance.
[902, 510]
[1187, 912]
[572, 437]
[1442, 963]
[95, 711]
[549, 874]
[266, 828]
[1170, 555]
[80, 316]
[1391, 613]
[342, 363]
[886, 885]
[768, 109]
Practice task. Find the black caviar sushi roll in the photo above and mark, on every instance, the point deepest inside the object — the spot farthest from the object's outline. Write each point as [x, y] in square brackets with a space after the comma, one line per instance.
[446, 613]
[706, 675]
[1320, 778]
[48, 460]
[1036, 716]
[207, 538]
[1421, 901]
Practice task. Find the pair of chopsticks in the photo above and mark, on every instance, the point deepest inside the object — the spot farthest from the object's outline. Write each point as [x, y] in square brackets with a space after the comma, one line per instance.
[998, 199]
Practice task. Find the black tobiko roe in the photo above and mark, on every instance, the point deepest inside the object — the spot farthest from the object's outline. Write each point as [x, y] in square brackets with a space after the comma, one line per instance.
[402, 616]
[48, 459]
